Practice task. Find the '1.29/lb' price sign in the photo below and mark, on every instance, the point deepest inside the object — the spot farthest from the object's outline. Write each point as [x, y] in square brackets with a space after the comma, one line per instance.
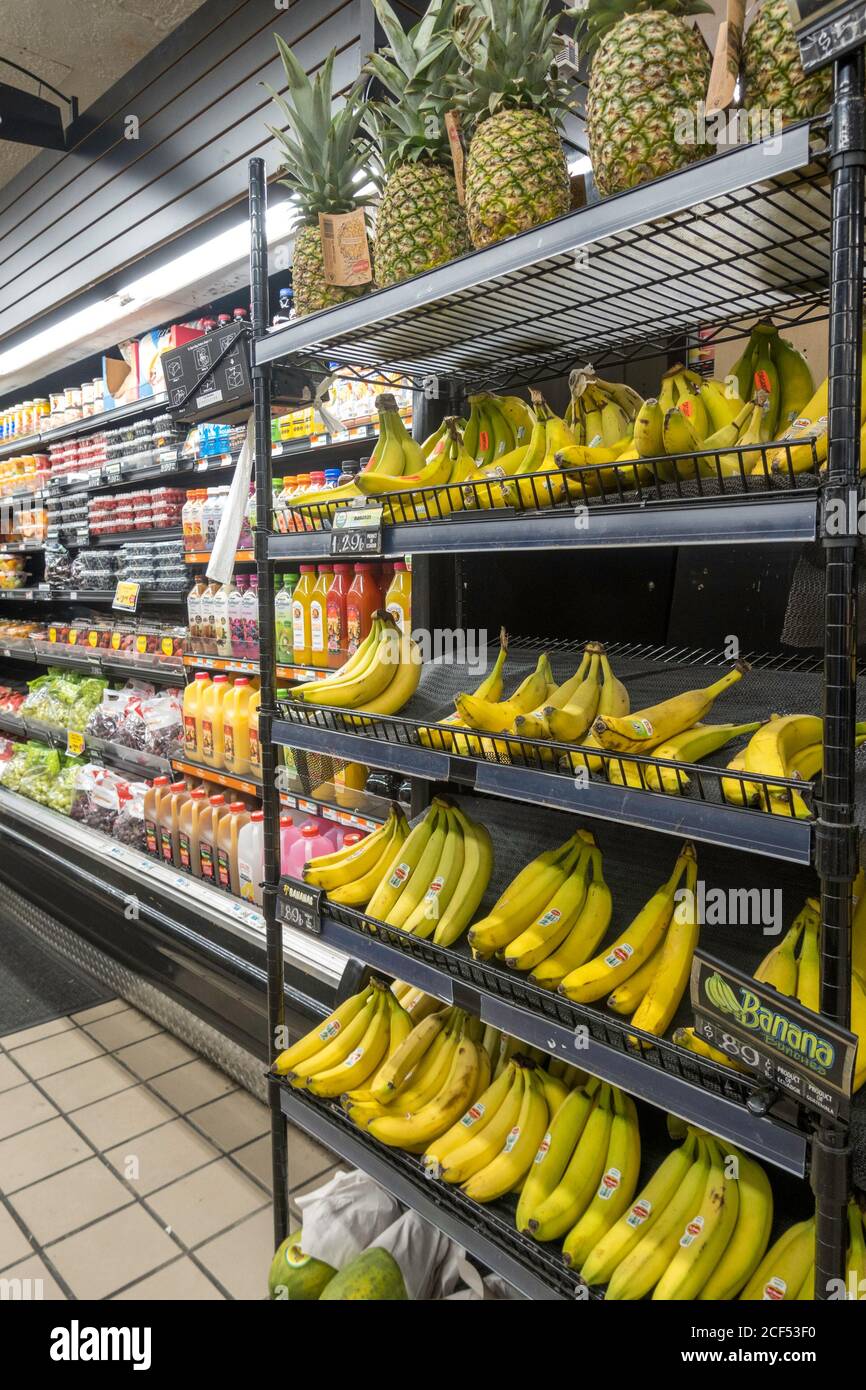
[357, 531]
[790, 1048]
[300, 906]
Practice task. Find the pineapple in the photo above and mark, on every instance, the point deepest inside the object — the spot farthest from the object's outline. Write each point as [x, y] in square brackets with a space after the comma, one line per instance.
[650, 68]
[420, 223]
[773, 73]
[324, 157]
[516, 172]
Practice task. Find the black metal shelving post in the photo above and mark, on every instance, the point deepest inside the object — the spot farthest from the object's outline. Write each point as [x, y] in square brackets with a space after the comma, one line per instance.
[267, 668]
[836, 833]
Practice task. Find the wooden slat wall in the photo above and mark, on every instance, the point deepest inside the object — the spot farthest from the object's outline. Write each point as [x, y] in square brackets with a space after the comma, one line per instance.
[68, 221]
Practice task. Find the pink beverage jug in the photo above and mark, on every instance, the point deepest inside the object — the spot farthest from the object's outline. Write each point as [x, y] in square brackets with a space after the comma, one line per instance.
[309, 845]
[289, 833]
[334, 833]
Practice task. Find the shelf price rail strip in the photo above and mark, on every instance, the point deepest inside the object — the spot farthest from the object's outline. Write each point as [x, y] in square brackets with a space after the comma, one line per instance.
[697, 1090]
[531, 1269]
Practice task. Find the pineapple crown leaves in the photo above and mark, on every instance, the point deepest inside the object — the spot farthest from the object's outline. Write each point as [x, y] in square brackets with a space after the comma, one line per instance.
[508, 50]
[324, 152]
[418, 70]
[595, 18]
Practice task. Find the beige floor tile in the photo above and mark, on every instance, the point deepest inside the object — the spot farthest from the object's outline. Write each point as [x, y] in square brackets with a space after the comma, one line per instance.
[233, 1121]
[86, 1083]
[120, 1118]
[112, 1006]
[255, 1158]
[208, 1201]
[10, 1075]
[192, 1085]
[154, 1055]
[37, 1280]
[163, 1156]
[240, 1258]
[112, 1253]
[57, 1053]
[55, 1206]
[14, 1245]
[121, 1029]
[306, 1159]
[41, 1030]
[22, 1108]
[182, 1280]
[35, 1154]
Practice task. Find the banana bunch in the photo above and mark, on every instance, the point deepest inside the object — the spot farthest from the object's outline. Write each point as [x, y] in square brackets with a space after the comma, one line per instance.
[688, 747]
[800, 976]
[698, 1230]
[351, 875]
[431, 881]
[785, 746]
[771, 364]
[539, 709]
[644, 972]
[448, 462]
[490, 690]
[349, 1047]
[585, 1171]
[378, 678]
[648, 730]
[599, 412]
[689, 1039]
[501, 434]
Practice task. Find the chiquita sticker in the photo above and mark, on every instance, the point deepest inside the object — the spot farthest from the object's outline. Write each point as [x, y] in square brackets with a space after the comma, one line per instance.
[692, 1231]
[639, 1212]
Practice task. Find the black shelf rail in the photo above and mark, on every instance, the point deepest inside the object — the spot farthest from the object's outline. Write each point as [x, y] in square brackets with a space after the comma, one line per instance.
[697, 1090]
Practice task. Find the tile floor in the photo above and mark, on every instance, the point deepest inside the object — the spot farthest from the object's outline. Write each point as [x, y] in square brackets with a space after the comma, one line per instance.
[132, 1169]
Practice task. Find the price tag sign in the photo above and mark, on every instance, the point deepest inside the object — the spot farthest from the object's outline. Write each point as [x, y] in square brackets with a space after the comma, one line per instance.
[357, 531]
[826, 29]
[113, 472]
[168, 463]
[299, 906]
[74, 743]
[789, 1048]
[126, 596]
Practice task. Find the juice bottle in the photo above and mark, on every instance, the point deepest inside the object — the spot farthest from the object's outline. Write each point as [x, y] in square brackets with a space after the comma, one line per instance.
[230, 826]
[186, 521]
[152, 799]
[251, 858]
[193, 522]
[301, 483]
[362, 601]
[301, 600]
[283, 618]
[236, 617]
[251, 618]
[289, 833]
[255, 751]
[319, 617]
[398, 599]
[188, 831]
[212, 721]
[236, 728]
[335, 604]
[194, 614]
[309, 845]
[221, 603]
[192, 711]
[169, 810]
[208, 619]
[208, 829]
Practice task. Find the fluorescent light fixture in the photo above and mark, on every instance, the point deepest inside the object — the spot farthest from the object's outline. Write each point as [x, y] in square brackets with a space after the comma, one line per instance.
[214, 255]
[582, 165]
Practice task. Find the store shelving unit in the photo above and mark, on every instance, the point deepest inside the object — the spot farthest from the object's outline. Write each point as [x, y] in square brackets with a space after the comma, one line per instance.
[774, 228]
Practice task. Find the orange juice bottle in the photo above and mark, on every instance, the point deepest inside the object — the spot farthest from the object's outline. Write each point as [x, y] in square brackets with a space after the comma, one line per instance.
[230, 826]
[255, 768]
[301, 601]
[212, 721]
[169, 811]
[398, 599]
[236, 728]
[208, 829]
[319, 617]
[362, 601]
[336, 614]
[152, 798]
[193, 697]
[188, 831]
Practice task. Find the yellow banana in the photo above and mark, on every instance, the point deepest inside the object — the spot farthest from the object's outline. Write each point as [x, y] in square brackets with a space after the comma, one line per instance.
[476, 1119]
[557, 918]
[781, 1273]
[773, 748]
[809, 968]
[705, 1236]
[424, 872]
[589, 929]
[524, 898]
[359, 859]
[690, 746]
[498, 717]
[519, 1147]
[647, 728]
[472, 883]
[614, 699]
[361, 1062]
[648, 430]
[667, 987]
[442, 886]
[617, 1185]
[357, 892]
[796, 384]
[751, 1235]
[481, 1145]
[407, 1057]
[403, 863]
[643, 1266]
[628, 995]
[293, 1057]
[570, 722]
[779, 966]
[418, 1130]
[554, 1154]
[339, 1046]
[560, 1209]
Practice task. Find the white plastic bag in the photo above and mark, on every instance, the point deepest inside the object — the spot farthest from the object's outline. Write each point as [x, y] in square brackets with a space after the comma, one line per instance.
[428, 1260]
[222, 560]
[344, 1217]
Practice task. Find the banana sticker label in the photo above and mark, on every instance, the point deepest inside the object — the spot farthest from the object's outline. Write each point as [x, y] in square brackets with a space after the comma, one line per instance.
[550, 917]
[400, 874]
[542, 1149]
[639, 1212]
[435, 887]
[774, 1290]
[619, 955]
[643, 728]
[512, 1139]
[473, 1114]
[609, 1183]
[354, 1057]
[330, 1030]
[692, 1231]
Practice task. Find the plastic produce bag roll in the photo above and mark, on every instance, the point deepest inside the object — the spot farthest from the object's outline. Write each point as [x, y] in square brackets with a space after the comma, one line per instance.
[222, 561]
